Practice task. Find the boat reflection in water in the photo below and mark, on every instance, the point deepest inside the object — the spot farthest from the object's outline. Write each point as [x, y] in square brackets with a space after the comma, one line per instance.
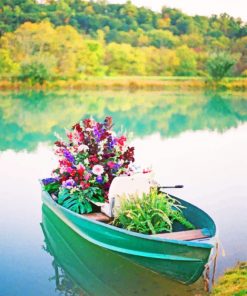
[82, 268]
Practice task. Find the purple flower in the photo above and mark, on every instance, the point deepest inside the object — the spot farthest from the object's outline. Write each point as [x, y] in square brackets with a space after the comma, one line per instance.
[99, 179]
[111, 142]
[70, 183]
[68, 156]
[117, 166]
[97, 134]
[48, 181]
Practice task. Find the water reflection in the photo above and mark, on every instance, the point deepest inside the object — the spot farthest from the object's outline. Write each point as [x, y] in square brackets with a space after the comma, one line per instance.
[30, 118]
[82, 268]
[208, 157]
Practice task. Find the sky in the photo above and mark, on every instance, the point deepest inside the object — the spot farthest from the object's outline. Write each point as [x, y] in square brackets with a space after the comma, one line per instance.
[235, 8]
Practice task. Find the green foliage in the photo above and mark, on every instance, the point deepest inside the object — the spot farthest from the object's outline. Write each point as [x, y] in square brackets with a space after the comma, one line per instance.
[162, 38]
[94, 194]
[52, 187]
[220, 64]
[8, 67]
[75, 202]
[66, 35]
[88, 17]
[79, 201]
[35, 72]
[187, 65]
[124, 59]
[152, 213]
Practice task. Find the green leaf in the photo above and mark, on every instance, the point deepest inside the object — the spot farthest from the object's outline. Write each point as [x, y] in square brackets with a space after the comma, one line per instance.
[52, 187]
[88, 207]
[151, 213]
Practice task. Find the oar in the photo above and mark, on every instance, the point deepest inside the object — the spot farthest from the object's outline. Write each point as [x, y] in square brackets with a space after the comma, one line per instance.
[175, 186]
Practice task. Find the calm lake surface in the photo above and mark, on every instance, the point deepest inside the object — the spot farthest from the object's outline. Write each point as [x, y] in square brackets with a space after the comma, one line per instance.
[196, 139]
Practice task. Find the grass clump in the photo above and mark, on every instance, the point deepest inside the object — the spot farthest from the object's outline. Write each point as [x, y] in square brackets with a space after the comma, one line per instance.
[233, 282]
[150, 214]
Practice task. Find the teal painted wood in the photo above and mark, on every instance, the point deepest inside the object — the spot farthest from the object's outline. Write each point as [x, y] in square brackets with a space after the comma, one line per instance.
[99, 271]
[75, 255]
[183, 261]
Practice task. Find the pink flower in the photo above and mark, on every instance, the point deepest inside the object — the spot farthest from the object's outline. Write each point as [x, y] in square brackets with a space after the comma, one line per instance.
[98, 169]
[111, 164]
[87, 177]
[69, 170]
[69, 135]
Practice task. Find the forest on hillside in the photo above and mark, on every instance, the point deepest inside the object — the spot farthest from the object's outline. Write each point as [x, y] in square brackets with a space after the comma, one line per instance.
[73, 39]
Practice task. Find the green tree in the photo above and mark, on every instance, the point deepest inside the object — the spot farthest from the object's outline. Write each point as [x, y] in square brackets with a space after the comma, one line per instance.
[220, 64]
[123, 59]
[8, 67]
[94, 62]
[240, 47]
[161, 38]
[187, 61]
[35, 72]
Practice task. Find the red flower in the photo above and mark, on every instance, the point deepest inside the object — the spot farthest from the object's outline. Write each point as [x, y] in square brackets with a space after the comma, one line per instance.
[121, 141]
[80, 169]
[63, 178]
[60, 144]
[87, 123]
[73, 173]
[84, 185]
[107, 185]
[64, 162]
[129, 154]
[93, 158]
[77, 127]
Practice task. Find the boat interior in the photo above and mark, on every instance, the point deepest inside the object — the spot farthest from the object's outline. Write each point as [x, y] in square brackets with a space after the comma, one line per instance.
[185, 235]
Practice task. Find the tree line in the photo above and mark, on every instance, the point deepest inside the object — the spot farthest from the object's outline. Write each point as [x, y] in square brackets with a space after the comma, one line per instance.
[73, 39]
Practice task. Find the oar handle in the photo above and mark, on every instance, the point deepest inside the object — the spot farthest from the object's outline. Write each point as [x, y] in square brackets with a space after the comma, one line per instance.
[175, 186]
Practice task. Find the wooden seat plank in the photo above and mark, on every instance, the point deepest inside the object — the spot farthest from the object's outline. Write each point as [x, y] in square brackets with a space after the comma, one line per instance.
[186, 235]
[97, 217]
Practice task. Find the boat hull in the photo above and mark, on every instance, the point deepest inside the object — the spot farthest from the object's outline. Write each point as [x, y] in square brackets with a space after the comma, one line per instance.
[180, 260]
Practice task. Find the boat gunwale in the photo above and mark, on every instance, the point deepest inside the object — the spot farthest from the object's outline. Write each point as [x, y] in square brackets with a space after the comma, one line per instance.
[195, 243]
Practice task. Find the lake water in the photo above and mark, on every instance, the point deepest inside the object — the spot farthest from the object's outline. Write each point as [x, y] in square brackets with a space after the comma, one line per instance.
[195, 139]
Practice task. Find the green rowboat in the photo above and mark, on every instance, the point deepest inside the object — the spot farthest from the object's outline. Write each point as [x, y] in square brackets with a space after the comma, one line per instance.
[181, 255]
[87, 269]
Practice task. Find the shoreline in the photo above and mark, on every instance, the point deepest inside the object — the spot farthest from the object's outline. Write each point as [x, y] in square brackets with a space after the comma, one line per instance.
[131, 83]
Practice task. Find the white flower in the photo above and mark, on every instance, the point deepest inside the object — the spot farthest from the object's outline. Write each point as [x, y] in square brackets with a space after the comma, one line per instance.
[82, 148]
[98, 169]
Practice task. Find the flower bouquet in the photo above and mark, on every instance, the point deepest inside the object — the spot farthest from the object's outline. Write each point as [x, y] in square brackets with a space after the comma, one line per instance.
[89, 159]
